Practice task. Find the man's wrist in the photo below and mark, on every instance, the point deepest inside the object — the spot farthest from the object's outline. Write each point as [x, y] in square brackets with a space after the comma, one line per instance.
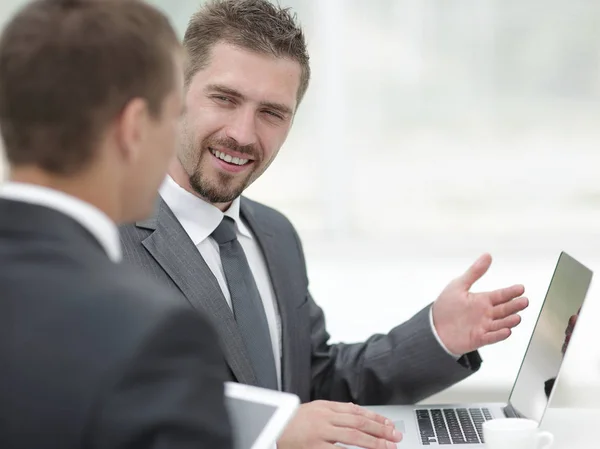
[437, 337]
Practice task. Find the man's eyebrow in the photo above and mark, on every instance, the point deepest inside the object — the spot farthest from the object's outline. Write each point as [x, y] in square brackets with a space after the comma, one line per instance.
[224, 90]
[286, 110]
[280, 107]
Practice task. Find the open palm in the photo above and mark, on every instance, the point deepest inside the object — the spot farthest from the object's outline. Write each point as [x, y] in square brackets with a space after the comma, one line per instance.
[466, 321]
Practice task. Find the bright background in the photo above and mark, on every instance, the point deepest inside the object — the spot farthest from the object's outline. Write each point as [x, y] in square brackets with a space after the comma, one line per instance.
[434, 131]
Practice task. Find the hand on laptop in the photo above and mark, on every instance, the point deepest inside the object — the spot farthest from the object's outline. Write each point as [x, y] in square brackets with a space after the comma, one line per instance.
[466, 321]
[321, 424]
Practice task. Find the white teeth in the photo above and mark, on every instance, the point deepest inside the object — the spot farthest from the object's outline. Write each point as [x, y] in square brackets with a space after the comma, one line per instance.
[228, 158]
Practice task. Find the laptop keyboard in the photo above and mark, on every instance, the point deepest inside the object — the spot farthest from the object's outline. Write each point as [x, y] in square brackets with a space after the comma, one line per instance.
[452, 425]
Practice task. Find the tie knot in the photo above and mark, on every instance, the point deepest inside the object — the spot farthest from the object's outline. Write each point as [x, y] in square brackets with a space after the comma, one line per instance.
[225, 232]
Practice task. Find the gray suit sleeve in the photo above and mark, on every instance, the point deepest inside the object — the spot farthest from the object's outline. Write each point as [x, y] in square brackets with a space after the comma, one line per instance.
[169, 394]
[401, 367]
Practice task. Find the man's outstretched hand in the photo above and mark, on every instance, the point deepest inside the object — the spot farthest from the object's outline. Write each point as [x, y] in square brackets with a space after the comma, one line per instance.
[466, 321]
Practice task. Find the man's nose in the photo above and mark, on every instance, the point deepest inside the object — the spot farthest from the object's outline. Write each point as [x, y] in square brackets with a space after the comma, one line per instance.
[242, 128]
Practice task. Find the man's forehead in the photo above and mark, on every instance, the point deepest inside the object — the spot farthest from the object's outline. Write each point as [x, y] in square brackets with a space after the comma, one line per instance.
[256, 76]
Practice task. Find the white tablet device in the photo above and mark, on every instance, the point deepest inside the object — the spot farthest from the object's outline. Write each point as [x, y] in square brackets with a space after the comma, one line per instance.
[258, 416]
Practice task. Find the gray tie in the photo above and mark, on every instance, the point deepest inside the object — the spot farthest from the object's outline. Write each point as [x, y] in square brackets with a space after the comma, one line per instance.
[247, 305]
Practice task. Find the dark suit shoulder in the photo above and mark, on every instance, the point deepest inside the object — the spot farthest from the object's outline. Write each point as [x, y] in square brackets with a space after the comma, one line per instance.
[88, 288]
[270, 218]
[139, 298]
[266, 212]
[130, 284]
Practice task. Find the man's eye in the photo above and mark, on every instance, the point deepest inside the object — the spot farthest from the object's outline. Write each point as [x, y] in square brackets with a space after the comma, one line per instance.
[222, 98]
[274, 114]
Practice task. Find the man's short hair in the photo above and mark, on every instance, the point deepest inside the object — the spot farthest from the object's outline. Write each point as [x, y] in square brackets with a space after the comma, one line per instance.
[255, 25]
[67, 70]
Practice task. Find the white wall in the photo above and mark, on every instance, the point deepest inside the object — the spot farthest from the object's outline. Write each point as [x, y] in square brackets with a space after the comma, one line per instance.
[434, 131]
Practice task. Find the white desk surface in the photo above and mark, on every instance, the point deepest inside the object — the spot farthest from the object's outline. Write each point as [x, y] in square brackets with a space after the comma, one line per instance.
[572, 428]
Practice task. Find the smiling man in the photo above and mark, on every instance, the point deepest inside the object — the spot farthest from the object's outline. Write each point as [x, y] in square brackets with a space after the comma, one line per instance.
[243, 263]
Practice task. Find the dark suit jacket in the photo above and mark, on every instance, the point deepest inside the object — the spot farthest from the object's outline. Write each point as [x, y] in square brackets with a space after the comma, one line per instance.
[92, 354]
[402, 367]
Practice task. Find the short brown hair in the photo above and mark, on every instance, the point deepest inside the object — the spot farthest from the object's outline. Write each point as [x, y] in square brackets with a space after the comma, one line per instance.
[69, 67]
[255, 25]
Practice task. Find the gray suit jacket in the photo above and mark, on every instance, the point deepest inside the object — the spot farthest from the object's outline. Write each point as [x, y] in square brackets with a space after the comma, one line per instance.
[402, 367]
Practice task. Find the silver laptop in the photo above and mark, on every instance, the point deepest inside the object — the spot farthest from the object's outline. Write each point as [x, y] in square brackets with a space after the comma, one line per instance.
[460, 425]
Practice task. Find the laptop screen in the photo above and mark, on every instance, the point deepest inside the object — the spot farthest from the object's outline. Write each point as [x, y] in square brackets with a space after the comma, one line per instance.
[549, 340]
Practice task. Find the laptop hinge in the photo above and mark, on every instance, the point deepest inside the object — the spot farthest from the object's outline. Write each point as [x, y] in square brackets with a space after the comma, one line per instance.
[511, 412]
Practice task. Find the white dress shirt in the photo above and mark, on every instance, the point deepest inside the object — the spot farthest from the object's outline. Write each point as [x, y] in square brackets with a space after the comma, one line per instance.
[90, 217]
[200, 219]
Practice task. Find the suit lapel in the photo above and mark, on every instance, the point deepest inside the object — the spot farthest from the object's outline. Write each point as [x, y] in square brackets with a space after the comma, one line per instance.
[267, 238]
[173, 250]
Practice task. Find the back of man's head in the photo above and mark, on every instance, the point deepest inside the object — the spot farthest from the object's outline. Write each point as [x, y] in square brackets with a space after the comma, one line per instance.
[76, 74]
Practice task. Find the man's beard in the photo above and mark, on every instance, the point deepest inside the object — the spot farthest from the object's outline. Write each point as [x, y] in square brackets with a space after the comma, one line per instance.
[218, 192]
[226, 187]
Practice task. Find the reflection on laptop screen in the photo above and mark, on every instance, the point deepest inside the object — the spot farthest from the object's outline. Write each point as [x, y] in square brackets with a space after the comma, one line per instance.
[249, 419]
[544, 355]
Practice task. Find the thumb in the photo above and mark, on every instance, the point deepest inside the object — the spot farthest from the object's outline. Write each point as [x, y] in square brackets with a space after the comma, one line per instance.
[476, 271]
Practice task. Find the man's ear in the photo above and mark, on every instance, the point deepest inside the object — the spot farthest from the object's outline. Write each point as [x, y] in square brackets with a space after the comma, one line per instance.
[132, 129]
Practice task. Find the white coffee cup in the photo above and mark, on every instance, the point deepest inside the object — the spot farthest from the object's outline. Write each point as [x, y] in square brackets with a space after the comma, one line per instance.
[515, 433]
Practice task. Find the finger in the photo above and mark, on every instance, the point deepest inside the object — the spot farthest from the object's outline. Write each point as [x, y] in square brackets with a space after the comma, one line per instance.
[494, 337]
[505, 323]
[504, 294]
[509, 308]
[365, 425]
[478, 269]
[571, 324]
[341, 407]
[353, 437]
[566, 344]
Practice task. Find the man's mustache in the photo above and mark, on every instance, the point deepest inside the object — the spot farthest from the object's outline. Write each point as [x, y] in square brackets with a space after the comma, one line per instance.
[232, 145]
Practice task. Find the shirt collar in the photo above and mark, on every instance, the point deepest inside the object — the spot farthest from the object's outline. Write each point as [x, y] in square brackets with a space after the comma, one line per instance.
[90, 217]
[198, 217]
